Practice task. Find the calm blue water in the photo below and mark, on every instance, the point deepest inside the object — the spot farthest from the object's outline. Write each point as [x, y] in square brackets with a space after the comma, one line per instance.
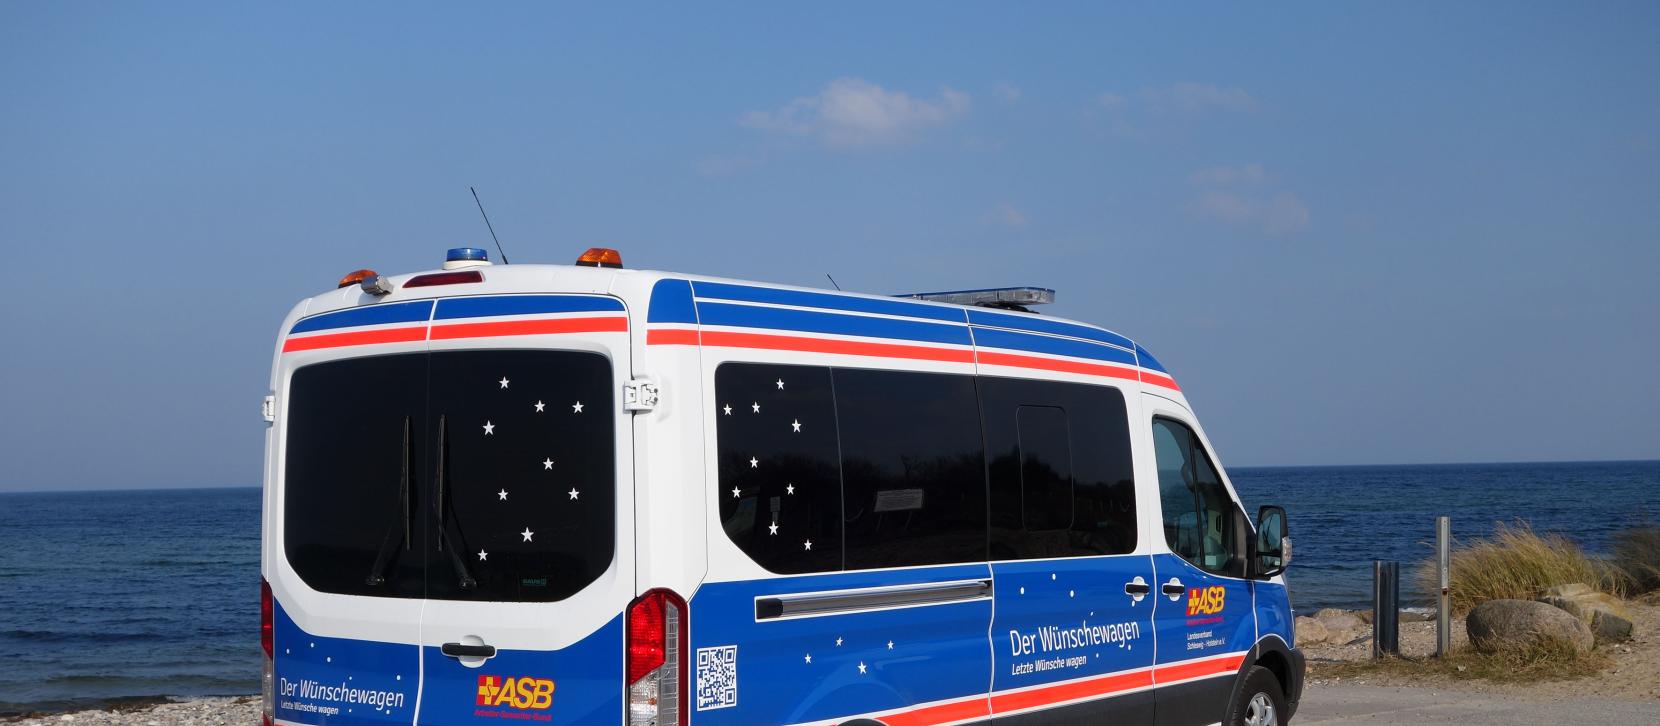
[106, 595]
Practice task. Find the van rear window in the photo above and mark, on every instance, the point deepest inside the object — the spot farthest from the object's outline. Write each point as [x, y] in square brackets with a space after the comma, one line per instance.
[510, 487]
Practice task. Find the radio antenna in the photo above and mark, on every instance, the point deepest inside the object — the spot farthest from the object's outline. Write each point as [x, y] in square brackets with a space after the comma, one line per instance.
[487, 224]
[833, 282]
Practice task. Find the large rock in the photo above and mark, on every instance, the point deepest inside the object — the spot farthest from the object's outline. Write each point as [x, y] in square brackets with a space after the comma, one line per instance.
[1311, 632]
[1344, 620]
[1498, 625]
[1606, 615]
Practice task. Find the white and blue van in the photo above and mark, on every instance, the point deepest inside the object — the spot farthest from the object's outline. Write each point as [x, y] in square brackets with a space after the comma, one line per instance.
[592, 495]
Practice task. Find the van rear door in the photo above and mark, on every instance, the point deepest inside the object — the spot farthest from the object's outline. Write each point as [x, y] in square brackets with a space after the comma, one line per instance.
[347, 573]
[530, 557]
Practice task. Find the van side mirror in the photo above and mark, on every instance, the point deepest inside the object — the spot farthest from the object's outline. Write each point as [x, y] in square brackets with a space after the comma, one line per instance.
[1272, 552]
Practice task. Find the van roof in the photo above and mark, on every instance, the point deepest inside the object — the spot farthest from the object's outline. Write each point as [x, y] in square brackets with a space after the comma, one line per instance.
[546, 278]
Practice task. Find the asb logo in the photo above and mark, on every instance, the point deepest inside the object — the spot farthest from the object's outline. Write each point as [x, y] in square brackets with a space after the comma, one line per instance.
[1205, 600]
[525, 693]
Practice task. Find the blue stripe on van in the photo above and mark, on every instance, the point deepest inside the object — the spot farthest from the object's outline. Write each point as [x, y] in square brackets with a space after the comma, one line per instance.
[491, 305]
[744, 293]
[993, 338]
[671, 302]
[1148, 361]
[1055, 327]
[752, 316]
[406, 312]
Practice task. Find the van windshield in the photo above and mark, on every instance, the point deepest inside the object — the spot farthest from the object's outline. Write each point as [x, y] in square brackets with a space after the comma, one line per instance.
[503, 487]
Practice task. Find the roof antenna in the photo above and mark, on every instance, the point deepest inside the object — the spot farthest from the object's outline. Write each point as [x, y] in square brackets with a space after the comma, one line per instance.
[487, 224]
[833, 282]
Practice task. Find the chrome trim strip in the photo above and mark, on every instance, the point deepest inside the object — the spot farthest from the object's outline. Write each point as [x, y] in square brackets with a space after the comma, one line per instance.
[824, 603]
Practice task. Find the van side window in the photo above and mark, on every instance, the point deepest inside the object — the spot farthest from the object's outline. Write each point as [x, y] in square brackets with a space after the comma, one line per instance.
[913, 468]
[780, 475]
[1058, 460]
[1201, 522]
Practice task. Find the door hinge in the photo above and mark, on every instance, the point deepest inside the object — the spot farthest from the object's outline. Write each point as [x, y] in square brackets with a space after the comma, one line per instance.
[268, 409]
[639, 395]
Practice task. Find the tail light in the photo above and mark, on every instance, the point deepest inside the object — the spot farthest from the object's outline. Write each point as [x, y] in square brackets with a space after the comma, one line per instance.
[267, 642]
[656, 651]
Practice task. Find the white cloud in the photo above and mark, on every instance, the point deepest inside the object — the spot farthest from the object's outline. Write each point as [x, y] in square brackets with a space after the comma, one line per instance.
[1112, 101]
[852, 113]
[1224, 175]
[1282, 213]
[1006, 215]
[1198, 97]
[1006, 92]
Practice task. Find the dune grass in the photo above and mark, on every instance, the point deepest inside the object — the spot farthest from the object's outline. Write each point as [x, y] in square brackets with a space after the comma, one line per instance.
[1544, 660]
[1637, 555]
[1517, 563]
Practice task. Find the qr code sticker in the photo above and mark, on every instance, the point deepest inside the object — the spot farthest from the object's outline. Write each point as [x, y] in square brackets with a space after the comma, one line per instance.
[717, 677]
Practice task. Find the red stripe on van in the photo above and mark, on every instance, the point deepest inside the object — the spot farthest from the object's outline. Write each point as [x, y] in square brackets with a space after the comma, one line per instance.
[551, 326]
[1159, 380]
[843, 347]
[1077, 690]
[1198, 669]
[1051, 364]
[942, 713]
[671, 337]
[362, 337]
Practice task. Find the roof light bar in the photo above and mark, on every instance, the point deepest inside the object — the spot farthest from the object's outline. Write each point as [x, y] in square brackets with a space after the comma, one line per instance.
[1009, 298]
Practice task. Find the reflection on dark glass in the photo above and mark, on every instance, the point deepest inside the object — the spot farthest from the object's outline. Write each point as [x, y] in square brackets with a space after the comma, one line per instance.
[1045, 467]
[1027, 438]
[529, 482]
[913, 471]
[1201, 522]
[780, 491]
[343, 470]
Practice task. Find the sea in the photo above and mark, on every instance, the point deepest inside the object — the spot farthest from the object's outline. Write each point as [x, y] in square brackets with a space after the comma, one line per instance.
[119, 595]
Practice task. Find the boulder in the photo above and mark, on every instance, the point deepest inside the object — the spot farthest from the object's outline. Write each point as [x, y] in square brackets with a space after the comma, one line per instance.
[1570, 590]
[1610, 628]
[1335, 619]
[1498, 625]
[1606, 615]
[1310, 631]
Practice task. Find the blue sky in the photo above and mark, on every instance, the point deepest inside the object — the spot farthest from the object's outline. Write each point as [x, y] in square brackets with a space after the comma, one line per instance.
[1397, 233]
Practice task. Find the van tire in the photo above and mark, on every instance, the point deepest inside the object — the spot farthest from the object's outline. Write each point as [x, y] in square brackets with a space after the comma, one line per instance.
[1259, 701]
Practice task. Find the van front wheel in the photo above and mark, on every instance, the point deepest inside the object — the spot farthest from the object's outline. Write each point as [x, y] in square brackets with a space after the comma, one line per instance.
[1259, 701]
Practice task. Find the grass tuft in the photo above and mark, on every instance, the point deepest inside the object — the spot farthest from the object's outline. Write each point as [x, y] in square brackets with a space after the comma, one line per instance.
[1545, 660]
[1517, 563]
[1637, 555]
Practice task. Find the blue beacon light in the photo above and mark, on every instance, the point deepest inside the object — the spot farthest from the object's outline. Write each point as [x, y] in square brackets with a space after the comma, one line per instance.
[466, 254]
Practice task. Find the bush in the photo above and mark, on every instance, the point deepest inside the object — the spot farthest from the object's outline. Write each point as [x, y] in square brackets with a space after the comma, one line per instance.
[1517, 563]
[1637, 555]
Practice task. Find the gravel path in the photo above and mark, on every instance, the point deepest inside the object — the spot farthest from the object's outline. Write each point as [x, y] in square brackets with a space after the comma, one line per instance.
[238, 711]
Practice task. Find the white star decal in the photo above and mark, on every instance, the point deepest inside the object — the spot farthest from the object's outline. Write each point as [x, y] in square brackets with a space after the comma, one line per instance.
[772, 528]
[780, 384]
[890, 645]
[754, 463]
[796, 426]
[789, 488]
[1071, 593]
[540, 406]
[547, 464]
[577, 407]
[503, 381]
[861, 667]
[728, 409]
[809, 658]
[501, 495]
[482, 555]
[808, 545]
[527, 534]
[838, 642]
[736, 492]
[574, 493]
[489, 429]
[756, 407]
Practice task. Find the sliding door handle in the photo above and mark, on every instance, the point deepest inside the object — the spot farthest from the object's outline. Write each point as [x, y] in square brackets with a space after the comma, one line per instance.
[463, 650]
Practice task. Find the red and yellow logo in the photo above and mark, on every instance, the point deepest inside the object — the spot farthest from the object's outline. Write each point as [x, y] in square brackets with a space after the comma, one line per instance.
[1205, 600]
[524, 693]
